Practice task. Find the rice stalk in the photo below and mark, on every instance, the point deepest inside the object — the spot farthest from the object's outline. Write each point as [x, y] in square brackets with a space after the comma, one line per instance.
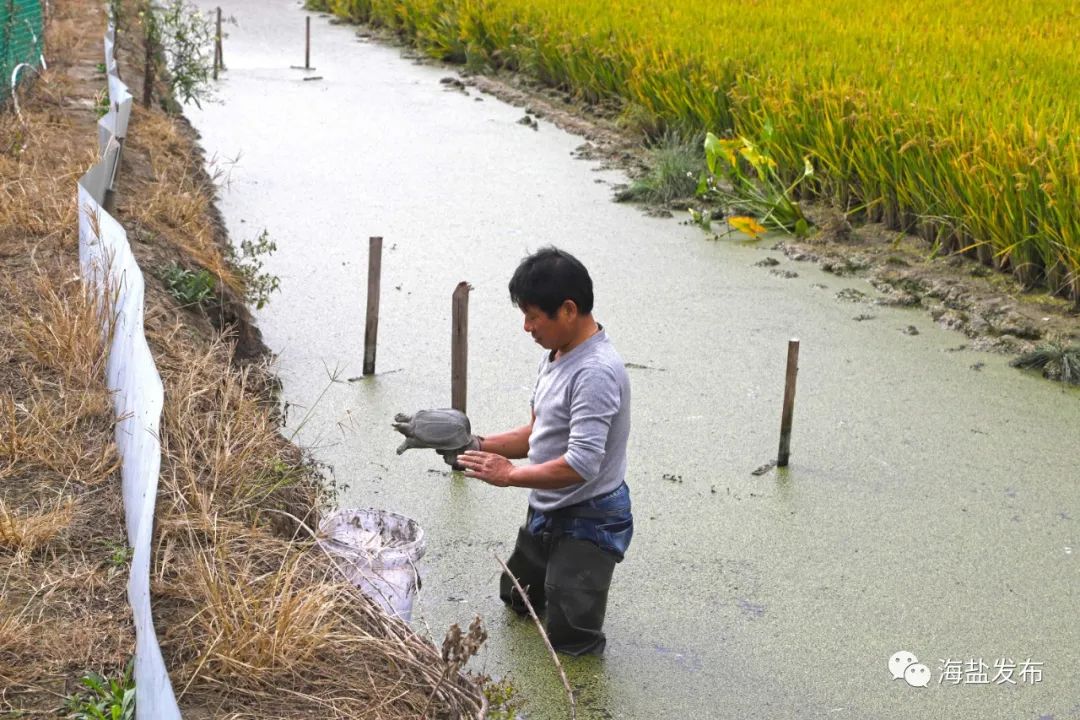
[911, 110]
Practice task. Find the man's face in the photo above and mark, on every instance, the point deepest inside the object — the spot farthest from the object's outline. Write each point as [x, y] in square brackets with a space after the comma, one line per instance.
[550, 333]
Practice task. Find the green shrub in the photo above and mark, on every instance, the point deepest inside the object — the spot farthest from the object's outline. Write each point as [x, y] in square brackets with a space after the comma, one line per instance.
[104, 698]
[258, 285]
[189, 288]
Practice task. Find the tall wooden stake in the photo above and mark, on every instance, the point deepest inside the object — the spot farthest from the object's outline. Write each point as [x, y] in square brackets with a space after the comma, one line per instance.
[789, 402]
[307, 43]
[459, 346]
[371, 329]
[219, 62]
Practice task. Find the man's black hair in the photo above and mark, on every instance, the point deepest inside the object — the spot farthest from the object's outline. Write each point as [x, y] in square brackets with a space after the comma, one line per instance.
[548, 278]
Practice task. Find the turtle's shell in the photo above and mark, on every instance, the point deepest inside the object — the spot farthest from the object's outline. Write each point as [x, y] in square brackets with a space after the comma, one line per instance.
[443, 429]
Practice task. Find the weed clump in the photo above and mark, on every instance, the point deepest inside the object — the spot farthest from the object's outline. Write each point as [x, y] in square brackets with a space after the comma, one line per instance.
[104, 698]
[1057, 362]
[676, 166]
[188, 287]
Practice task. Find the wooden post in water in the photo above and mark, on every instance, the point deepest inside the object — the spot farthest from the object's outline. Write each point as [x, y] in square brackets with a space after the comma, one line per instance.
[219, 62]
[371, 329]
[459, 346]
[307, 43]
[789, 402]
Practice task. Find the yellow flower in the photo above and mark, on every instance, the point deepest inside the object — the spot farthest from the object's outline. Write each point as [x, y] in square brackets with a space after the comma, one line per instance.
[748, 225]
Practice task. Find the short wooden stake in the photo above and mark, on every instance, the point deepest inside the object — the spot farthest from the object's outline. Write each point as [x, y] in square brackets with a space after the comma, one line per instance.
[789, 402]
[307, 44]
[459, 346]
[371, 329]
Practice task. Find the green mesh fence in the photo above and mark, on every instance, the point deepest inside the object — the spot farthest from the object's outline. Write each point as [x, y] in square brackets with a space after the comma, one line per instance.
[22, 39]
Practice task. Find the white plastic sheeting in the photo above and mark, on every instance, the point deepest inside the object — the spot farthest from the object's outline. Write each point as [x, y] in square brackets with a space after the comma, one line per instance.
[114, 123]
[379, 551]
[108, 265]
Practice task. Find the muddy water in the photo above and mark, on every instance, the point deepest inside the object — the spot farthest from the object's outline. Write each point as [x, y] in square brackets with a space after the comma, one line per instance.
[931, 504]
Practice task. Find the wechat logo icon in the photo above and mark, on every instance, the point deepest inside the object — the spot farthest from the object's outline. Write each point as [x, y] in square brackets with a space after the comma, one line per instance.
[905, 665]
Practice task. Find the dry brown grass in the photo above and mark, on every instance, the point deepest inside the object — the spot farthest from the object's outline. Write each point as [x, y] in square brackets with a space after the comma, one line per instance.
[74, 30]
[178, 203]
[222, 450]
[261, 624]
[17, 649]
[56, 414]
[61, 324]
[66, 433]
[61, 614]
[255, 612]
[293, 641]
[59, 490]
[63, 607]
[27, 532]
[37, 201]
[253, 618]
[40, 157]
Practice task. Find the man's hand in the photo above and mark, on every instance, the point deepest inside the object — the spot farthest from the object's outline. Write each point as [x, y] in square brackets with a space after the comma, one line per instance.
[450, 457]
[489, 467]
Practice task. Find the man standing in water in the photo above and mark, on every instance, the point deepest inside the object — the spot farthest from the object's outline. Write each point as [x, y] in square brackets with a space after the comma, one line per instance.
[579, 523]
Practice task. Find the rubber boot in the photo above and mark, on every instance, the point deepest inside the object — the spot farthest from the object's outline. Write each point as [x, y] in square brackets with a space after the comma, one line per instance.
[578, 577]
[529, 564]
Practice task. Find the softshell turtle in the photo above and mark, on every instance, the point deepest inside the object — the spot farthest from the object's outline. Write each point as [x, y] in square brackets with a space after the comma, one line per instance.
[443, 429]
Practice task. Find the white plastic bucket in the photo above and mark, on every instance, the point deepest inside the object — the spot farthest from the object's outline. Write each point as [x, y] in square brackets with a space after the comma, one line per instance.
[378, 551]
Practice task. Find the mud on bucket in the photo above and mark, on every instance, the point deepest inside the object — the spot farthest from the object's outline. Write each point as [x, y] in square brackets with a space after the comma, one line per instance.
[378, 551]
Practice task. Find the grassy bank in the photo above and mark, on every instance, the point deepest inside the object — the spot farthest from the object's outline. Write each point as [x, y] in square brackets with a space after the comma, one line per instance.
[252, 618]
[955, 121]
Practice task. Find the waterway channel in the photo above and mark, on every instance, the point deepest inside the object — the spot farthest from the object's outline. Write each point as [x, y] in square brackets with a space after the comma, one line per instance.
[931, 504]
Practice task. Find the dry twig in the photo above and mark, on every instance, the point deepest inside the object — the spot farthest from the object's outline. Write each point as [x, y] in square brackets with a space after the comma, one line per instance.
[540, 627]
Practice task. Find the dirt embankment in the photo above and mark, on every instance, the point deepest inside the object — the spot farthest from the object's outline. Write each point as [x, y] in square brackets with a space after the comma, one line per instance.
[252, 619]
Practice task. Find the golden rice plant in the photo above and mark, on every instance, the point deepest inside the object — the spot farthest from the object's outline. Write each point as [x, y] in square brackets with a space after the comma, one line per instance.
[952, 119]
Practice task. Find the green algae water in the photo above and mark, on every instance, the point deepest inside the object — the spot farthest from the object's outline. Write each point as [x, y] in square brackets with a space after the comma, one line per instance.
[929, 507]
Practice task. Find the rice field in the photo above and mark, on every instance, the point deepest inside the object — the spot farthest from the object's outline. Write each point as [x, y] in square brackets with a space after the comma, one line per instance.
[953, 119]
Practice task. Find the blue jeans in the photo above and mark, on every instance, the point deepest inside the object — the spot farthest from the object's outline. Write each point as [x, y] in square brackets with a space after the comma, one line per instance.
[606, 521]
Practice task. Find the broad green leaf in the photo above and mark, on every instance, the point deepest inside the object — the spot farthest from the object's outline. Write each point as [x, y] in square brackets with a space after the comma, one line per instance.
[712, 149]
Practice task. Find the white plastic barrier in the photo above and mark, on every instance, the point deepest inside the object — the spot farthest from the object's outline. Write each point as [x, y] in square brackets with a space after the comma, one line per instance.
[108, 265]
[110, 57]
[114, 123]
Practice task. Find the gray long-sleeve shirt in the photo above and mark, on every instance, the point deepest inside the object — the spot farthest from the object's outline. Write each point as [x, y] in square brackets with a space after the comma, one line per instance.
[582, 406]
